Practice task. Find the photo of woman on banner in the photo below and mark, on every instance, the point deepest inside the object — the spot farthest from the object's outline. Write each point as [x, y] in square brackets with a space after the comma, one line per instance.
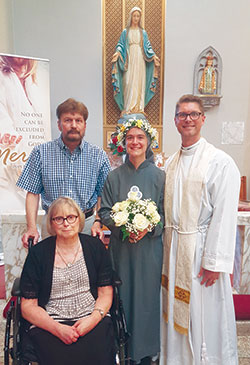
[24, 103]
[17, 79]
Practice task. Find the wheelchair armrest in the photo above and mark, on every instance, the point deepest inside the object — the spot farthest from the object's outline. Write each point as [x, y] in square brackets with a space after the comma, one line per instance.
[15, 291]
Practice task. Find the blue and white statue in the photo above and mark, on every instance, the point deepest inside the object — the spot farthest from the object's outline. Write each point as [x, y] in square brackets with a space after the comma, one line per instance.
[135, 67]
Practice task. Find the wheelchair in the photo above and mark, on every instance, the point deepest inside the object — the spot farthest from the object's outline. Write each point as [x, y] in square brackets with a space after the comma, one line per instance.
[18, 349]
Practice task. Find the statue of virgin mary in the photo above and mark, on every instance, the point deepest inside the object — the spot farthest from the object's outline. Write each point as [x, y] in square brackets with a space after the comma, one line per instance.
[134, 67]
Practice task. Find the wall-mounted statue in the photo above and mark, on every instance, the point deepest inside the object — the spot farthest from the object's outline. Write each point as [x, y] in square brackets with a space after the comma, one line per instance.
[135, 67]
[207, 77]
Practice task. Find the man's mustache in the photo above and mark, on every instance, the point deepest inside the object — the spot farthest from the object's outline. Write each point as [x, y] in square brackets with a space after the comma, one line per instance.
[73, 131]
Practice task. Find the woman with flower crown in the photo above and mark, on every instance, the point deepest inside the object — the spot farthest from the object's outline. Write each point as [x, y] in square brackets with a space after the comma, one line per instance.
[137, 259]
[134, 67]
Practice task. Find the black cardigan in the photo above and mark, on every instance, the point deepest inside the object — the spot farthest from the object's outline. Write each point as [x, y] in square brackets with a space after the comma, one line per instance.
[36, 278]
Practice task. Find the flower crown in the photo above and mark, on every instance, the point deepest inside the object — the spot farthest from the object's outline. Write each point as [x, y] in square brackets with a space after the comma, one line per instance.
[117, 143]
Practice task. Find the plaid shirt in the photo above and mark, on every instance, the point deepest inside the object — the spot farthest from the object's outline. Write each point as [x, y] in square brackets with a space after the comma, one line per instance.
[53, 171]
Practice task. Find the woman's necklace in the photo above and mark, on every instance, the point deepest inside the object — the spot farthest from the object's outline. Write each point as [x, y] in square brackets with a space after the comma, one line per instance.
[69, 264]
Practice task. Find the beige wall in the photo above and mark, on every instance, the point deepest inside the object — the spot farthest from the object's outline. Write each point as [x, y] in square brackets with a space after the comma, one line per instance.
[191, 26]
[6, 34]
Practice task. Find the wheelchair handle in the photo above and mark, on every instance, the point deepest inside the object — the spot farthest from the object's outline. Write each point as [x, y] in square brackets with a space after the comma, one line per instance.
[30, 242]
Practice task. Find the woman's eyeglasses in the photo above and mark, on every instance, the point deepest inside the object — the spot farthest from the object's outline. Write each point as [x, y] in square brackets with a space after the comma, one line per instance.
[70, 219]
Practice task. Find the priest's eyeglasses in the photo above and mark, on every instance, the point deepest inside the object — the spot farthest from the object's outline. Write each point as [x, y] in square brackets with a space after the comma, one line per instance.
[70, 219]
[193, 116]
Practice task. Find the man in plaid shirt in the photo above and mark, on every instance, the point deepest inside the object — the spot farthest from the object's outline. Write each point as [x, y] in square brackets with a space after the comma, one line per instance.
[67, 166]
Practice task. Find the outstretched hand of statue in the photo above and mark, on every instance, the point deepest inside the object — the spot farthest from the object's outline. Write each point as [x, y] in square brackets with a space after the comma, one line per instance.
[156, 61]
[115, 57]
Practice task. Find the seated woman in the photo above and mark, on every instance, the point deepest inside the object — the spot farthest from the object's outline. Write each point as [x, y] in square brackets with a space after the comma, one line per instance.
[67, 293]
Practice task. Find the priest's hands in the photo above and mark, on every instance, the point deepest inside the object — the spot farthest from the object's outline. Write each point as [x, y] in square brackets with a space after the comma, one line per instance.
[208, 277]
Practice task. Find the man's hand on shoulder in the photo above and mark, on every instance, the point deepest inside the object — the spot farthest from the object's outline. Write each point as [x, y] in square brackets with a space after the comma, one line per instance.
[96, 230]
[208, 277]
[30, 233]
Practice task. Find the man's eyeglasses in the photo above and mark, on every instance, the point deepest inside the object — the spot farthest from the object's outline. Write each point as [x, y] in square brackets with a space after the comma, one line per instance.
[70, 219]
[193, 116]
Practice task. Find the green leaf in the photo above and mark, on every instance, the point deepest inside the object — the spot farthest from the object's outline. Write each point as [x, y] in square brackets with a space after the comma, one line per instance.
[131, 217]
[125, 233]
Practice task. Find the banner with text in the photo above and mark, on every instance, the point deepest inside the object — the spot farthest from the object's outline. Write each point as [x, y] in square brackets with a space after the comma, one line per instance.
[24, 121]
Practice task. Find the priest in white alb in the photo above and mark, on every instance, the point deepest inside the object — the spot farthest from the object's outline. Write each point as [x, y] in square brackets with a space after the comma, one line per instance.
[201, 199]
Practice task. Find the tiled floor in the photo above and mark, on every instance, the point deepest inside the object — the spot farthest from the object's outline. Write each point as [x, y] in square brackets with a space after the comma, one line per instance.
[243, 330]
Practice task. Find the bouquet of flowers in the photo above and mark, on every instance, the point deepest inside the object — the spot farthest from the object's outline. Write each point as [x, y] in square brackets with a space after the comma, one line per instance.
[134, 214]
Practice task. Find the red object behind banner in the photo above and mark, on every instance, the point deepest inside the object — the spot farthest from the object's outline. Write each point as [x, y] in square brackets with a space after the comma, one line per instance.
[242, 306]
[2, 283]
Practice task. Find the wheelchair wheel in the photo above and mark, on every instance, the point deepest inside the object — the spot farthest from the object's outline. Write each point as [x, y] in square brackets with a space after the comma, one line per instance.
[123, 355]
[16, 333]
[12, 344]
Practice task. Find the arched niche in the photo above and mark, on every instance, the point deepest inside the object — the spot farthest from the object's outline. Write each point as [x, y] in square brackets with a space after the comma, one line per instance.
[207, 77]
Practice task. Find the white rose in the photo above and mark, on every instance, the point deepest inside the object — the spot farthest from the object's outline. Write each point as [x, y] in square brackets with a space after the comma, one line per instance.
[155, 218]
[151, 208]
[124, 204]
[117, 207]
[120, 218]
[140, 222]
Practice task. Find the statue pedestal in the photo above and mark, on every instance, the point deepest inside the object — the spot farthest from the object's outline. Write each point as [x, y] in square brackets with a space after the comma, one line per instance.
[210, 101]
[126, 117]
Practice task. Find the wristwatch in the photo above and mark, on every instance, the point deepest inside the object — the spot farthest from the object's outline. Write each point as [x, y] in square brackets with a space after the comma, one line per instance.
[100, 311]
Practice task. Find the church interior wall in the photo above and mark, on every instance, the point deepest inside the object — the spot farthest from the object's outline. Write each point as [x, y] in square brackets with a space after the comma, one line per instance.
[70, 35]
[190, 28]
[6, 34]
